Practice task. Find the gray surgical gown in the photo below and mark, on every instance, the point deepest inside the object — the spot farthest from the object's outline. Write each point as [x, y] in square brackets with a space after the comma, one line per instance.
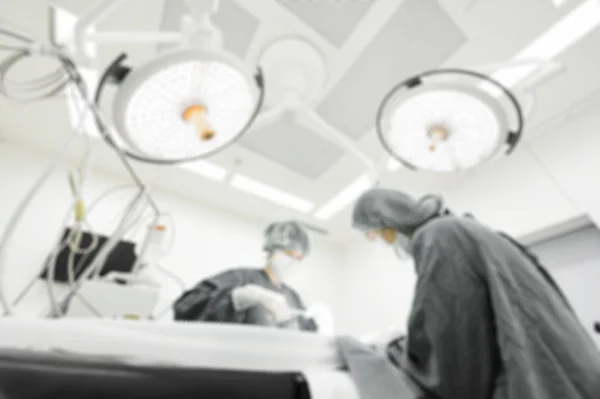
[486, 323]
[210, 300]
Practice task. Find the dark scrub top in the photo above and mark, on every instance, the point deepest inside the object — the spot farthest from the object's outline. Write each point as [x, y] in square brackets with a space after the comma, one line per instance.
[210, 300]
[488, 323]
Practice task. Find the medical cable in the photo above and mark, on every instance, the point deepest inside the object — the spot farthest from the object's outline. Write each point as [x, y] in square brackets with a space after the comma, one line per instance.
[59, 242]
[105, 251]
[18, 214]
[123, 227]
[51, 265]
[73, 270]
[60, 246]
[76, 231]
[99, 261]
[178, 280]
[107, 248]
[54, 85]
[4, 47]
[93, 205]
[38, 89]
[15, 35]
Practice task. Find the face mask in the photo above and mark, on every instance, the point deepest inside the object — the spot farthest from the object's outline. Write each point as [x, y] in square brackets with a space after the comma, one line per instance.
[402, 247]
[283, 265]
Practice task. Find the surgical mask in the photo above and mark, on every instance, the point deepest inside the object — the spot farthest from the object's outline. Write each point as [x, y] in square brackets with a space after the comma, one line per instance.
[402, 247]
[283, 265]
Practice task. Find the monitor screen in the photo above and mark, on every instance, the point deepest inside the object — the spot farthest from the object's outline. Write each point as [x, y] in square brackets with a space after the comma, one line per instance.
[121, 259]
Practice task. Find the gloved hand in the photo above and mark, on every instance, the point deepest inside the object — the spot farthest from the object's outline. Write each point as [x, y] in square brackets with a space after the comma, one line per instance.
[381, 339]
[253, 295]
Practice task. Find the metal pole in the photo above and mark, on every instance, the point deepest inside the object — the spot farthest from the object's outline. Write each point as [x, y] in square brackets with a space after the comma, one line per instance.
[134, 37]
[94, 15]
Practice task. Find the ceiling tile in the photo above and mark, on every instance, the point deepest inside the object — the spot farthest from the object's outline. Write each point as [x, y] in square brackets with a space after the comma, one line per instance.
[335, 20]
[294, 147]
[236, 24]
[419, 36]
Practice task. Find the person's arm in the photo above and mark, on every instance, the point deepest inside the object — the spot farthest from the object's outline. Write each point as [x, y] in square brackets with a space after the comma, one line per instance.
[210, 300]
[450, 349]
[305, 324]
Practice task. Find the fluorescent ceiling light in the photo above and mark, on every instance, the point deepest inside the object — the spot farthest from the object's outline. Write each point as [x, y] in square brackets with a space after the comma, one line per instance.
[558, 3]
[272, 194]
[344, 197]
[206, 169]
[510, 76]
[566, 32]
[63, 26]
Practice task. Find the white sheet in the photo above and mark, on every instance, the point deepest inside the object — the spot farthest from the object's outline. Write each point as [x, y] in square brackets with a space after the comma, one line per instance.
[207, 345]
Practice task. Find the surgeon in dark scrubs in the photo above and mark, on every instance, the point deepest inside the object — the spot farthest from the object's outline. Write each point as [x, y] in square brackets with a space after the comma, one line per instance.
[257, 296]
[487, 321]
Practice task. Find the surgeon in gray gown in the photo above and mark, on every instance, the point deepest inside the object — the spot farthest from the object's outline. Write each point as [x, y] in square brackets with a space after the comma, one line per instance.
[257, 296]
[487, 321]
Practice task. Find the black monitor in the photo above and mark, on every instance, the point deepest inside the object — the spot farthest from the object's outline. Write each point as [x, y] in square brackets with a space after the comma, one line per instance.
[121, 259]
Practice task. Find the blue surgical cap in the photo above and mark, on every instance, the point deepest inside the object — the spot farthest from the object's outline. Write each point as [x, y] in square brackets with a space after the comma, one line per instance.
[383, 208]
[286, 235]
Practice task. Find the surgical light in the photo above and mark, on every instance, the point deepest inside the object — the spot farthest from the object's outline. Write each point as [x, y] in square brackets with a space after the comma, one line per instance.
[184, 105]
[446, 120]
[206, 169]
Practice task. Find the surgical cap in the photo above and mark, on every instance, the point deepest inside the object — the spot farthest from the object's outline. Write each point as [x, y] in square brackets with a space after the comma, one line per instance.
[287, 235]
[383, 208]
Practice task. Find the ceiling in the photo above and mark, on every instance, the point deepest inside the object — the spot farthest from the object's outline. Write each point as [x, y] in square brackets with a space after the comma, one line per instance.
[367, 46]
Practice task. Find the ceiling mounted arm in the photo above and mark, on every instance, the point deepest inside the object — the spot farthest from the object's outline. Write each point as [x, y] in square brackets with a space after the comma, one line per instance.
[291, 103]
[201, 8]
[94, 15]
[268, 117]
[340, 139]
[196, 29]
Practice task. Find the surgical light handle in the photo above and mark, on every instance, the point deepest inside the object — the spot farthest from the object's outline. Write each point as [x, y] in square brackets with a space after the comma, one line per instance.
[200, 10]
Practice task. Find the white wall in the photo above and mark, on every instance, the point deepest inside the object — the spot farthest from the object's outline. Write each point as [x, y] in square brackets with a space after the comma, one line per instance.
[377, 289]
[574, 261]
[570, 155]
[208, 240]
